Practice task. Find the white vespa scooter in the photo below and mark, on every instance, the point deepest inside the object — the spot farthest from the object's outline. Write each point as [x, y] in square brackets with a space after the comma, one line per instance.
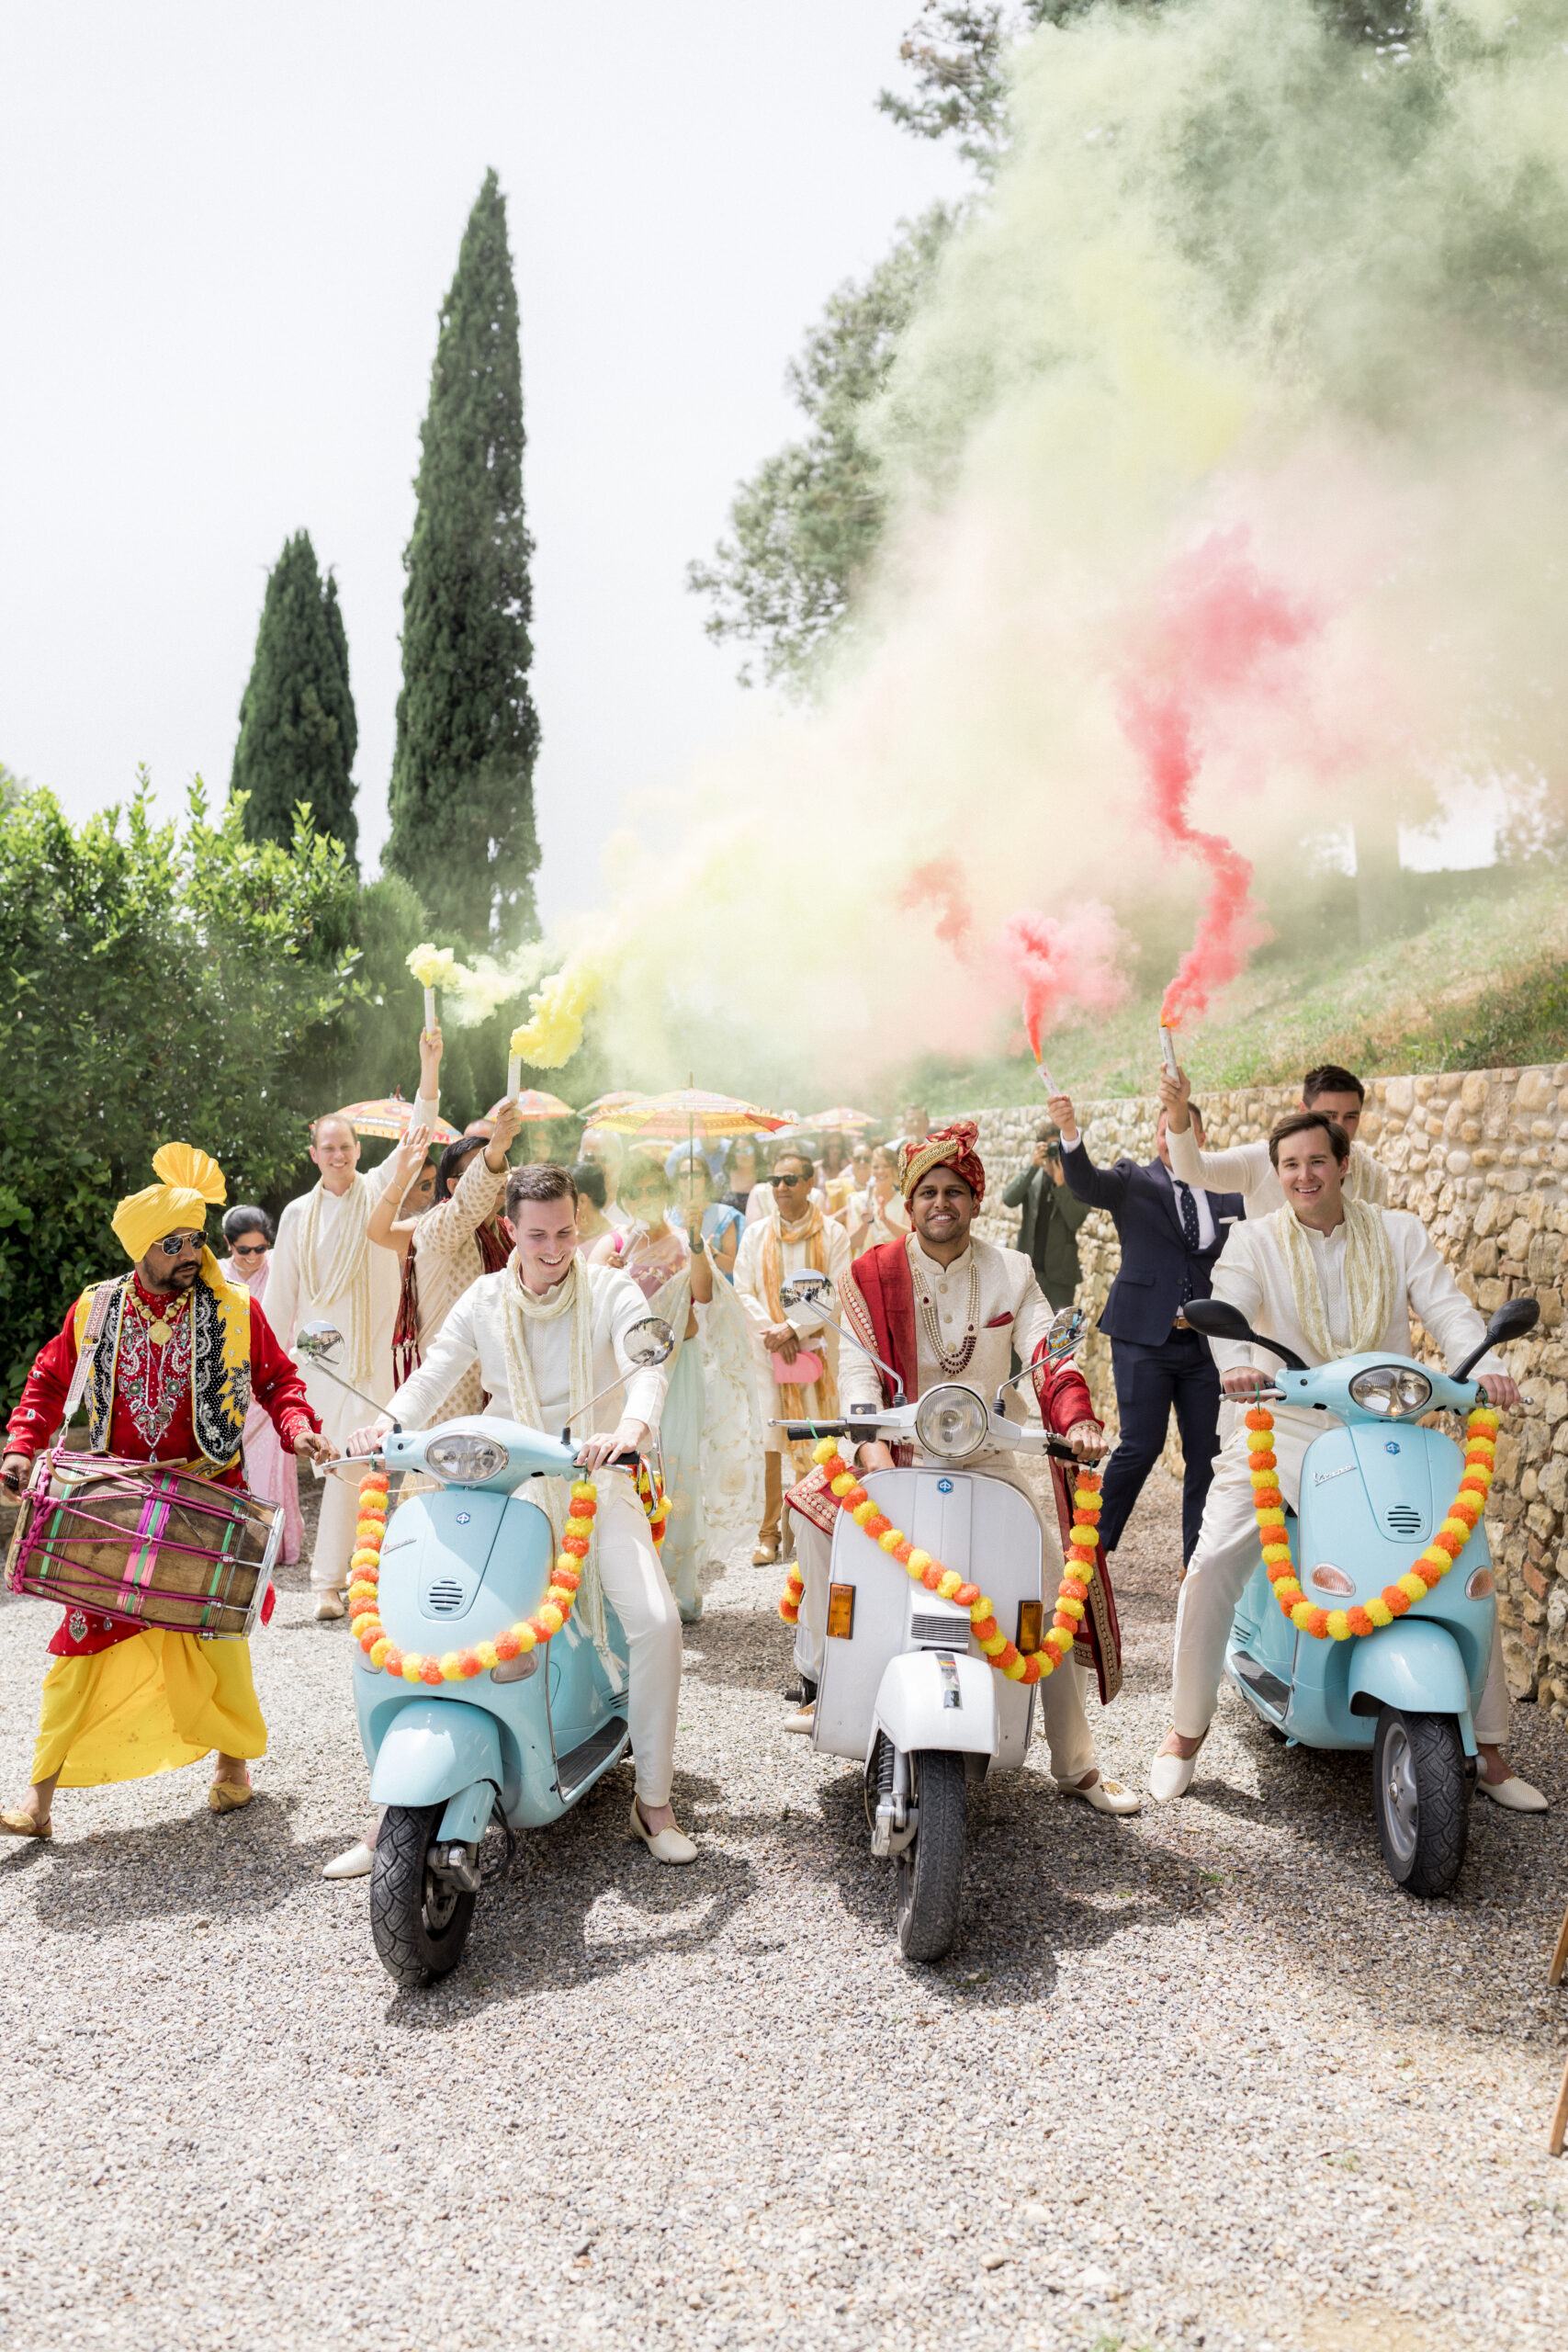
[905, 1688]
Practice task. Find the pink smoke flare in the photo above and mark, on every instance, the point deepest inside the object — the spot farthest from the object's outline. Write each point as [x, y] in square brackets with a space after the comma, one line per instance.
[941, 883]
[1223, 634]
[1071, 960]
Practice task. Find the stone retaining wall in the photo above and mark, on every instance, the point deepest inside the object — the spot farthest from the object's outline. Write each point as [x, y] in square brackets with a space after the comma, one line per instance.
[1481, 1156]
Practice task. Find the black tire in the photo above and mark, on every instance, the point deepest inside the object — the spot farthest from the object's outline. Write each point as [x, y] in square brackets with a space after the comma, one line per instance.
[419, 1924]
[930, 1868]
[1420, 1797]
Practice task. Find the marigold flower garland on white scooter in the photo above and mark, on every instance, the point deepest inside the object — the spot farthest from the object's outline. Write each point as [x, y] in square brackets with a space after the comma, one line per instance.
[1071, 1594]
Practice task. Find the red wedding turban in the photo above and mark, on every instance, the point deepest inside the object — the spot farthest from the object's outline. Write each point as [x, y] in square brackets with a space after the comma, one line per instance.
[952, 1147]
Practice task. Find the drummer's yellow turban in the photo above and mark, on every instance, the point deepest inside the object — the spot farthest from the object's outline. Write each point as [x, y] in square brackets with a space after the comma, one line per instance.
[192, 1180]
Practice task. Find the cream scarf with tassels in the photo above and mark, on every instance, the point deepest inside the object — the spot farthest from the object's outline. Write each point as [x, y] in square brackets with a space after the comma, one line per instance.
[348, 1271]
[1372, 1281]
[573, 1296]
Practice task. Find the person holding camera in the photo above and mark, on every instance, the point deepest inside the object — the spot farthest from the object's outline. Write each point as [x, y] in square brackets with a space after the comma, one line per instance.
[1048, 1235]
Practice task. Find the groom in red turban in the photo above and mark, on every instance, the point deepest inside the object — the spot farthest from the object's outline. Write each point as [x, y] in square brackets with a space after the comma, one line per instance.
[941, 1305]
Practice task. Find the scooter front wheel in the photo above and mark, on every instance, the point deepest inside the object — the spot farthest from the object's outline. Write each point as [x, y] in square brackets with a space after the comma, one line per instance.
[420, 1923]
[930, 1868]
[1419, 1795]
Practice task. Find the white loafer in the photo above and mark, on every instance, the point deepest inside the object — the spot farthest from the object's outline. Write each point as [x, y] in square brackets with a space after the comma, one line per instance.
[329, 1605]
[1171, 1777]
[1514, 1794]
[356, 1863]
[802, 1719]
[664, 1845]
[1106, 1796]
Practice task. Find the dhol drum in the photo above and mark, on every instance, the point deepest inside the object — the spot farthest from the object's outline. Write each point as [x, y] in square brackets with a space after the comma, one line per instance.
[145, 1544]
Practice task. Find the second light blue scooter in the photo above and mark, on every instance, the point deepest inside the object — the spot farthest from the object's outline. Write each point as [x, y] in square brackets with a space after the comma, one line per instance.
[1375, 1490]
[460, 1766]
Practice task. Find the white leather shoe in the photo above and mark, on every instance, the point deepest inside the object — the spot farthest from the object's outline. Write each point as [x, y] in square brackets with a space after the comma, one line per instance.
[664, 1845]
[1514, 1794]
[802, 1719]
[356, 1863]
[1171, 1777]
[329, 1605]
[1106, 1796]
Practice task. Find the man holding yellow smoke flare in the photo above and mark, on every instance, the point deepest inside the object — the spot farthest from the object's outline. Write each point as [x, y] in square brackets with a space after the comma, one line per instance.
[1326, 1276]
[176, 1354]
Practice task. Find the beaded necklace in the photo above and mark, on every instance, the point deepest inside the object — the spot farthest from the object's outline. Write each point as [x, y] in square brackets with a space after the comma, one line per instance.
[952, 1359]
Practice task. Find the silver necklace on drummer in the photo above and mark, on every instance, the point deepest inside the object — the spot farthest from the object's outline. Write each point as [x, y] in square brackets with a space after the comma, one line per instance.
[952, 1359]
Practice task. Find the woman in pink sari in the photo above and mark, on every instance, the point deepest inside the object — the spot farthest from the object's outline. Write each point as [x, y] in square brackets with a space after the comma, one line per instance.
[269, 1472]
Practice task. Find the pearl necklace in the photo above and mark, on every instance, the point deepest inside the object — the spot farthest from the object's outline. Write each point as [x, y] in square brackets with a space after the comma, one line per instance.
[952, 1359]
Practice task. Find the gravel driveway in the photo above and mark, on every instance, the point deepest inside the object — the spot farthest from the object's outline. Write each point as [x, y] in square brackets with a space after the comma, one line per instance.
[1203, 2077]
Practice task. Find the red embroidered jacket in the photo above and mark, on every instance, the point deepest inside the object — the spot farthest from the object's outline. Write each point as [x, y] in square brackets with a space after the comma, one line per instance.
[276, 1385]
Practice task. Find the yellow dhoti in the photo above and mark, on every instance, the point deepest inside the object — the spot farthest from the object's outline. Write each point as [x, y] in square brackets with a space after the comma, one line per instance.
[147, 1706]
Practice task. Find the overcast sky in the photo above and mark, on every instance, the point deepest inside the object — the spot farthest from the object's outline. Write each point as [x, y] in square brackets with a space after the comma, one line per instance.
[224, 236]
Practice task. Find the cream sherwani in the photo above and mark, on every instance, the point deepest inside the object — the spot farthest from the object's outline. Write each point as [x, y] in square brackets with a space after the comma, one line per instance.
[1010, 1312]
[634, 1583]
[1248, 1170]
[820, 1337]
[1252, 1274]
[364, 1309]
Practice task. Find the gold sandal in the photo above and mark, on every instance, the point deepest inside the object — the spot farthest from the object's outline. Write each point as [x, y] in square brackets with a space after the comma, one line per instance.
[227, 1796]
[26, 1825]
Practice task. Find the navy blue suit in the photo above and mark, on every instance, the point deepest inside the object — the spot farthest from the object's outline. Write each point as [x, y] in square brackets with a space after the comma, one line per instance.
[1156, 1367]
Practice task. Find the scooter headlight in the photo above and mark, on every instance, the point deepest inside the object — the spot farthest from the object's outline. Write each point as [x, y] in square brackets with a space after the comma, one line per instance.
[465, 1459]
[1391, 1388]
[952, 1422]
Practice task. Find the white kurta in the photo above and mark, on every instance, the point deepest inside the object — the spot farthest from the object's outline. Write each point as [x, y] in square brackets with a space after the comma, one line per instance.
[820, 1337]
[287, 1310]
[1011, 1312]
[1246, 1169]
[630, 1572]
[1252, 1274]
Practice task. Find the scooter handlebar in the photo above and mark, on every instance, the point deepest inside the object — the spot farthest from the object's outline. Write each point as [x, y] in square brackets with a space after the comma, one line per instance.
[866, 1426]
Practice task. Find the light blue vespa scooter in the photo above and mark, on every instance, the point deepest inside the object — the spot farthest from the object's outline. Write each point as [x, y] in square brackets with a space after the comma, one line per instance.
[1373, 1493]
[501, 1751]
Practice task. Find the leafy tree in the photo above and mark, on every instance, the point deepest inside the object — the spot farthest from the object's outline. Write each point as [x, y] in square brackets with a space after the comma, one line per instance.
[156, 981]
[462, 794]
[298, 729]
[805, 526]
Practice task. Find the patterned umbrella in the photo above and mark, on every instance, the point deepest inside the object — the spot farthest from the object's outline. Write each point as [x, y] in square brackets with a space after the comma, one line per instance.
[388, 1115]
[841, 1122]
[536, 1106]
[689, 1112]
[591, 1111]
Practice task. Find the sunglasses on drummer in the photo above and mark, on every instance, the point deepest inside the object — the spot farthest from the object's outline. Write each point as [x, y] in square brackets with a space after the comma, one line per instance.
[180, 1245]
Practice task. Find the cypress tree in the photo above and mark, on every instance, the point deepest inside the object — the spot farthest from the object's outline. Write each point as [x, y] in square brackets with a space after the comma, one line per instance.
[462, 794]
[298, 729]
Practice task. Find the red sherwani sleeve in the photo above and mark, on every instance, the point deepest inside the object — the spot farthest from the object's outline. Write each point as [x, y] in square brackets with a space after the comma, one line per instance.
[277, 1383]
[42, 1401]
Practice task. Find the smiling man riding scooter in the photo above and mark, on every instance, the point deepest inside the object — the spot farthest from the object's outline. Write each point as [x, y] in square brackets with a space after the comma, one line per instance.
[940, 1305]
[1326, 1276]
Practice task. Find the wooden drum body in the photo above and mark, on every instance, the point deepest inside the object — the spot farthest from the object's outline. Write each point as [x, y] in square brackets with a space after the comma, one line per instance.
[145, 1543]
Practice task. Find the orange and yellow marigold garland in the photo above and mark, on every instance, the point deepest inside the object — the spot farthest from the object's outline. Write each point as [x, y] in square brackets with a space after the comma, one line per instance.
[459, 1666]
[1071, 1593]
[1341, 1624]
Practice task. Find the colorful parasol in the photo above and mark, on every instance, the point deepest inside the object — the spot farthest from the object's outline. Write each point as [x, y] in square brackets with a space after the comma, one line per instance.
[388, 1115]
[613, 1102]
[840, 1122]
[534, 1105]
[689, 1113]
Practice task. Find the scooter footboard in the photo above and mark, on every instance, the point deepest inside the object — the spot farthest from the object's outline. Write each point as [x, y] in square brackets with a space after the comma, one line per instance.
[929, 1699]
[434, 1750]
[1417, 1665]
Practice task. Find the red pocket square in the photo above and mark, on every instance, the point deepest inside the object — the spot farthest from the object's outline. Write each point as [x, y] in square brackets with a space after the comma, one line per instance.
[998, 1322]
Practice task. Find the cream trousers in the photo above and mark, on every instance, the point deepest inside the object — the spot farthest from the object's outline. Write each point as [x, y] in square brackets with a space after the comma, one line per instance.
[1065, 1725]
[637, 1589]
[1226, 1553]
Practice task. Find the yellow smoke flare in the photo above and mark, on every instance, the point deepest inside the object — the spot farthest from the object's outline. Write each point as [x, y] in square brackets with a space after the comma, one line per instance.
[554, 1031]
[432, 967]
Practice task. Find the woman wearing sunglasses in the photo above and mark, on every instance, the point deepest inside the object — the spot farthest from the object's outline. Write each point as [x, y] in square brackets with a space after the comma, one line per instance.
[269, 1471]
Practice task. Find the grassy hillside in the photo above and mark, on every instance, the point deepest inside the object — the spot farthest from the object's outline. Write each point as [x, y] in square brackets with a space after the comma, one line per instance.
[1482, 983]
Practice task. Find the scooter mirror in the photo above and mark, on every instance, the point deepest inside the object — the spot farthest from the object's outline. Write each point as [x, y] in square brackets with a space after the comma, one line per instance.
[1512, 1320]
[1066, 1329]
[319, 1340]
[808, 1288]
[1216, 1319]
[649, 1342]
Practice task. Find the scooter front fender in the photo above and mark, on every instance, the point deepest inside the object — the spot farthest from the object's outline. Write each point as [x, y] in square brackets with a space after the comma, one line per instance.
[434, 1748]
[1416, 1666]
[927, 1699]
